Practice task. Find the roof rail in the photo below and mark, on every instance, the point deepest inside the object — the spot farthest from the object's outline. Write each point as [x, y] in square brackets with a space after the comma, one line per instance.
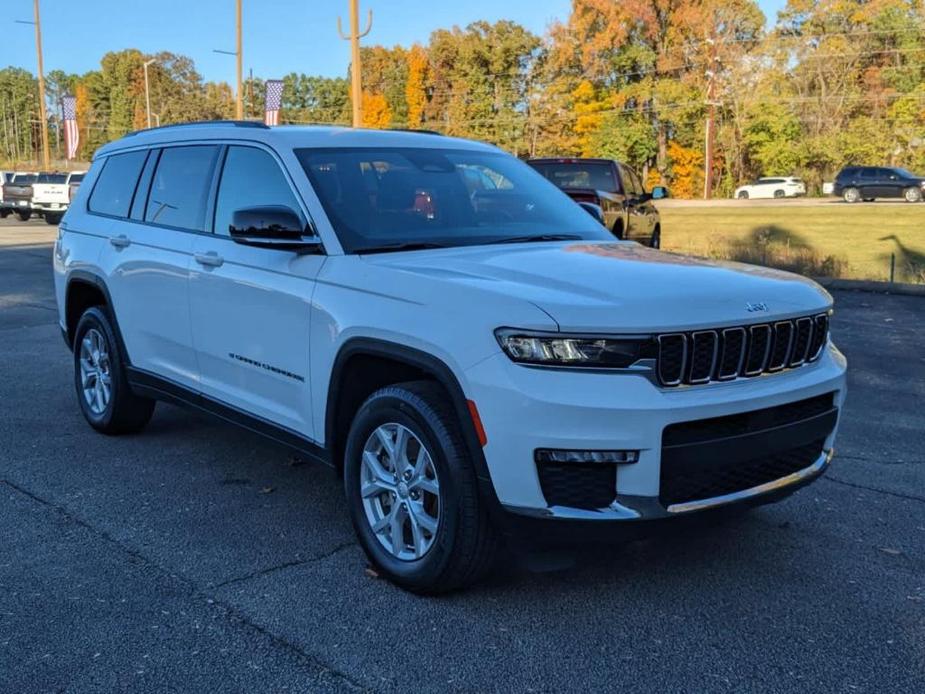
[235, 123]
[416, 130]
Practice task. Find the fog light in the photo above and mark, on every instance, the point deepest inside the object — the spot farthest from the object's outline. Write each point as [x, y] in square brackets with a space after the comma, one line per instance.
[552, 455]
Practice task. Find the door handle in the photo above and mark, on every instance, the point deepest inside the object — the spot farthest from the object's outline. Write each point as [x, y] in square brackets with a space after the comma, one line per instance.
[210, 259]
[120, 241]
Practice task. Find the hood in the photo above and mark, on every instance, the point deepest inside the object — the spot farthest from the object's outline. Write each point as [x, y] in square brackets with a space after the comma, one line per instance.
[620, 286]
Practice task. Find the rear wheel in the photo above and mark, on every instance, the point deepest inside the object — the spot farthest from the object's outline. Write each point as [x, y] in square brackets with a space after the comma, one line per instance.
[743, 195]
[105, 398]
[656, 237]
[53, 218]
[24, 216]
[912, 194]
[779, 194]
[4, 214]
[851, 195]
[618, 229]
[412, 492]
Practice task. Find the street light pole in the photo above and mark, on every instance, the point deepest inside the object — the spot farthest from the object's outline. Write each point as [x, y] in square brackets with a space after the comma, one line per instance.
[239, 101]
[148, 90]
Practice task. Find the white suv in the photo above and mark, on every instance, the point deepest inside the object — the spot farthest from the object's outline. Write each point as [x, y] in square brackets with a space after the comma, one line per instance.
[769, 187]
[478, 363]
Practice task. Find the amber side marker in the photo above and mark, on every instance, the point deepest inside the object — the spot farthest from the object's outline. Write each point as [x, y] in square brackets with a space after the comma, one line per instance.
[477, 422]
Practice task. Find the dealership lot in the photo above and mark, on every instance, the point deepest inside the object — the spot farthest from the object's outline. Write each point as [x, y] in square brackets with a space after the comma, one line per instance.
[200, 556]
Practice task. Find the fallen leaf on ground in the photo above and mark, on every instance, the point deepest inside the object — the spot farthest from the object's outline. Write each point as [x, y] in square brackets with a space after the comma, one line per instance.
[371, 572]
[267, 490]
[890, 550]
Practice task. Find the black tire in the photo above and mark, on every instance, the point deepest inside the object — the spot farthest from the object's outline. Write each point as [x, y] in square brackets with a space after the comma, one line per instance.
[464, 544]
[851, 194]
[4, 214]
[743, 195]
[618, 229]
[656, 241]
[869, 199]
[912, 194]
[52, 219]
[779, 194]
[24, 216]
[125, 412]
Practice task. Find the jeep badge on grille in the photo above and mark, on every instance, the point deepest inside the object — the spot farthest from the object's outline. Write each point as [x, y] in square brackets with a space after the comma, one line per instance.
[756, 306]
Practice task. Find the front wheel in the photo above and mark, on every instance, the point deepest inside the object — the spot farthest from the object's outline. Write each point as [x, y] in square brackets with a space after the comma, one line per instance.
[778, 194]
[851, 195]
[23, 216]
[656, 238]
[106, 400]
[913, 194]
[53, 219]
[4, 214]
[743, 195]
[412, 492]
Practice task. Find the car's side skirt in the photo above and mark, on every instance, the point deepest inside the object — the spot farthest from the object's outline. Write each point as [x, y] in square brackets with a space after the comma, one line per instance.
[149, 385]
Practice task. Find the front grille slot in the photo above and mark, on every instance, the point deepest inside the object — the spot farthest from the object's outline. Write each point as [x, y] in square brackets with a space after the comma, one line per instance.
[725, 354]
[578, 485]
[704, 347]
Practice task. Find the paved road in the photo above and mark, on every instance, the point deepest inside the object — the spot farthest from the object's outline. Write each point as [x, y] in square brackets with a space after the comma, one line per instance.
[198, 557]
[826, 201]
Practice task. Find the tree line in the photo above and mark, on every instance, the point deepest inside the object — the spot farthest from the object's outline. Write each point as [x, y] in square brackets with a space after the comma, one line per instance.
[831, 82]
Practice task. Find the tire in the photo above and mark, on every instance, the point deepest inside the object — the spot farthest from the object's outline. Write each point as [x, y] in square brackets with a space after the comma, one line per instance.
[743, 195]
[24, 216]
[4, 214]
[851, 195]
[656, 241]
[778, 194]
[912, 194]
[123, 412]
[869, 199]
[618, 229]
[53, 218]
[462, 547]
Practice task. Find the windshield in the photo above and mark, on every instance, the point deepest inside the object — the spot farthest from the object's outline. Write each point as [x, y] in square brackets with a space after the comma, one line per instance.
[24, 179]
[76, 178]
[385, 197]
[52, 178]
[905, 173]
[598, 176]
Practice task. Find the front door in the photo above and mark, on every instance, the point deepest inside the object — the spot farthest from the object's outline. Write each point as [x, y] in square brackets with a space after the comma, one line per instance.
[251, 307]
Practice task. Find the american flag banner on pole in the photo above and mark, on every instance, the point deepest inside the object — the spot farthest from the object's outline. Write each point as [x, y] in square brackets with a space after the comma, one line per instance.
[71, 132]
[274, 101]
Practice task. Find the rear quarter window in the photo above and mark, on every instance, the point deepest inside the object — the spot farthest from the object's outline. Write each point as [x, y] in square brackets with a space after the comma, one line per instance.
[112, 194]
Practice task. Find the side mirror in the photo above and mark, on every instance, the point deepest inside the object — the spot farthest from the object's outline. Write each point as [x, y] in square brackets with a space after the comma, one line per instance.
[593, 210]
[271, 226]
[659, 192]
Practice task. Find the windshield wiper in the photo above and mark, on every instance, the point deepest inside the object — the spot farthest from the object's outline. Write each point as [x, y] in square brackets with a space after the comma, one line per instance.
[393, 247]
[539, 237]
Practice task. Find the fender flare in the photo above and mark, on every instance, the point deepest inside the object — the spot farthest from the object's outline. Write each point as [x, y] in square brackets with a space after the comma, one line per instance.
[87, 277]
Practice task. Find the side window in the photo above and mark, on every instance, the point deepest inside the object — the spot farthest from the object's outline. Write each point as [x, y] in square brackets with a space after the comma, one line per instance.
[115, 186]
[637, 185]
[868, 173]
[180, 187]
[250, 178]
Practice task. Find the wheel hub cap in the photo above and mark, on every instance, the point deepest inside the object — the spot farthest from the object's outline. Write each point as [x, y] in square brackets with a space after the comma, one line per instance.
[95, 374]
[400, 491]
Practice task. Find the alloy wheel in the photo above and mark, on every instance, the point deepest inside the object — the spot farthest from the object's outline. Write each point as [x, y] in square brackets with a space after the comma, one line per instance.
[95, 371]
[400, 491]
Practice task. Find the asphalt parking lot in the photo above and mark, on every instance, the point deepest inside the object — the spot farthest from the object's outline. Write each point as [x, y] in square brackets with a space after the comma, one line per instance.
[196, 556]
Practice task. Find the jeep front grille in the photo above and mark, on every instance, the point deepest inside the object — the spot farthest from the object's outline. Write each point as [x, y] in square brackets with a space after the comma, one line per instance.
[723, 354]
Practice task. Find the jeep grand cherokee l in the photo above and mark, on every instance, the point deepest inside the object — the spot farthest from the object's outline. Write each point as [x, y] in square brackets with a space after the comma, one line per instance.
[867, 183]
[476, 363]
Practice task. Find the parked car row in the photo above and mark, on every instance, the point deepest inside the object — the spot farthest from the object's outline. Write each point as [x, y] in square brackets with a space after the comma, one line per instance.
[46, 194]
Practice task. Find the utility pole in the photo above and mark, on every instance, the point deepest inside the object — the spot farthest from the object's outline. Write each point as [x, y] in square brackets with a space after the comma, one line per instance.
[356, 85]
[239, 98]
[42, 113]
[711, 118]
[148, 90]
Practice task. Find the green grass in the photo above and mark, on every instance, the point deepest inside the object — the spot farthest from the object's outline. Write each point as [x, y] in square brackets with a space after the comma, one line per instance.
[830, 240]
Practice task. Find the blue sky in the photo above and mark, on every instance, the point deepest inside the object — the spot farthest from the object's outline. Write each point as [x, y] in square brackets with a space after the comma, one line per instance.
[280, 36]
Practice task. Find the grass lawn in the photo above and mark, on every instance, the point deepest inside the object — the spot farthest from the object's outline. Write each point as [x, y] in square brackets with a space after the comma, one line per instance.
[828, 239]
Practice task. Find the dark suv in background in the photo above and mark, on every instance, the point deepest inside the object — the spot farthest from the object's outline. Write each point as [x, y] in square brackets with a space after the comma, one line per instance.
[855, 183]
[625, 206]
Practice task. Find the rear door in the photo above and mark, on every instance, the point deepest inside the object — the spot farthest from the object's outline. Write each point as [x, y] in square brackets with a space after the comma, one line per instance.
[869, 183]
[250, 306]
[148, 257]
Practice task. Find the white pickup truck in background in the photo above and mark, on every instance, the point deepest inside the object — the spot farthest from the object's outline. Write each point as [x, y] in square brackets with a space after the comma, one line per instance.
[51, 195]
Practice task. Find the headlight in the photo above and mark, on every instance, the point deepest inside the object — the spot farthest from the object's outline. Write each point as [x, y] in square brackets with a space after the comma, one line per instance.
[556, 349]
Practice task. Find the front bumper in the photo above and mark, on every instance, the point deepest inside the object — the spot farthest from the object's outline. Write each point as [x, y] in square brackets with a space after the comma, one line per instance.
[524, 409]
